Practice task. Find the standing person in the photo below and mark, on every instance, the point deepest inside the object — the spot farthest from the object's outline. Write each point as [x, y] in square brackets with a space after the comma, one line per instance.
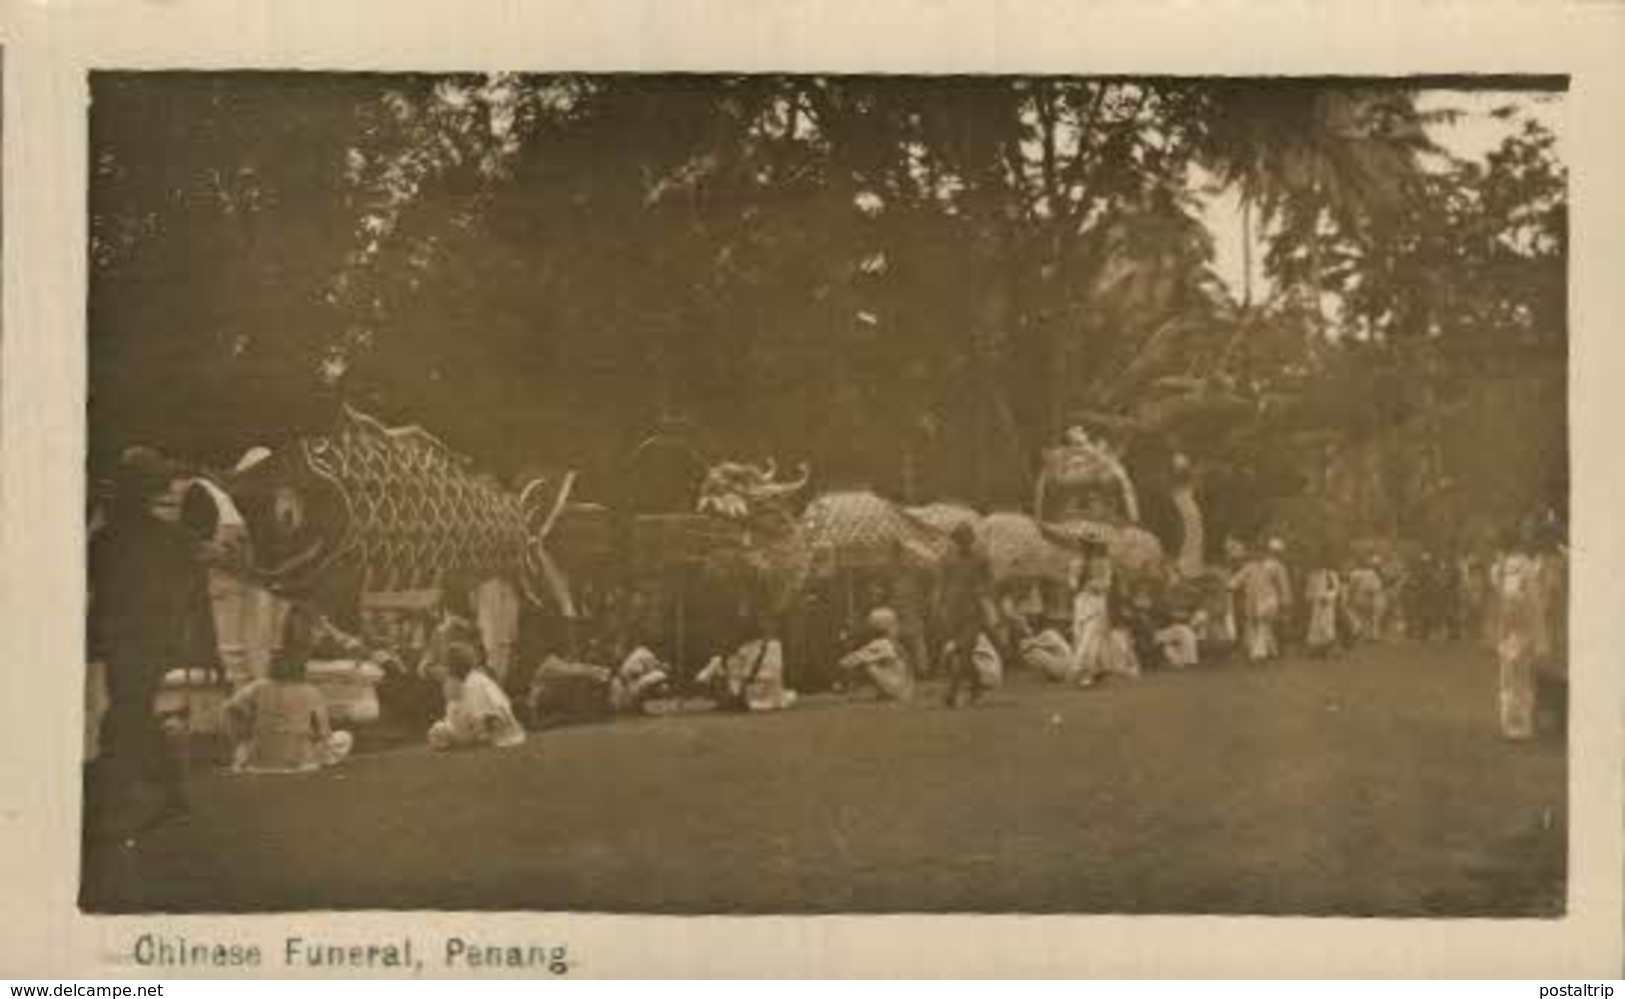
[149, 613]
[1281, 580]
[1138, 619]
[967, 581]
[248, 616]
[910, 602]
[1473, 595]
[1365, 598]
[1261, 585]
[1322, 594]
[1288, 627]
[1552, 674]
[1229, 623]
[1091, 619]
[1429, 597]
[1395, 583]
[1521, 633]
[1452, 595]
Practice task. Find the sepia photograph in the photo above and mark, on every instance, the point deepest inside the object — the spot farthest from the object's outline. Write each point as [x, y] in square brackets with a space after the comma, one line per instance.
[696, 494]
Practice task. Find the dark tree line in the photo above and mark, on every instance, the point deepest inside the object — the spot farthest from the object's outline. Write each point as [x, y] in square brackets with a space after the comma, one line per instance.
[911, 282]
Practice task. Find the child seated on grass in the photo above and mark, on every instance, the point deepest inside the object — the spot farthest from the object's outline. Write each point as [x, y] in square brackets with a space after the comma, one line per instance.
[279, 724]
[478, 713]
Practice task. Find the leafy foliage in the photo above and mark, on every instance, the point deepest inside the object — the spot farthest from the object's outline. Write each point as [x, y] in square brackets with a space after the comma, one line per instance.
[938, 271]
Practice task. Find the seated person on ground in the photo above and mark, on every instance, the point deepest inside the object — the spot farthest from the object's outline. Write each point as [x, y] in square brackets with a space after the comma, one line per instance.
[640, 677]
[1139, 621]
[570, 689]
[1049, 653]
[564, 689]
[1177, 643]
[1014, 602]
[878, 661]
[279, 724]
[454, 626]
[478, 713]
[752, 677]
[984, 658]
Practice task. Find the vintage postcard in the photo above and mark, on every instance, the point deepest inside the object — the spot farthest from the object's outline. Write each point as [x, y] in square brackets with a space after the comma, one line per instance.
[584, 493]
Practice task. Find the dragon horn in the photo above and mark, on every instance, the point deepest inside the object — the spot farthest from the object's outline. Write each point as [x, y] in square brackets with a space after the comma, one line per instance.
[559, 502]
[558, 584]
[777, 489]
[535, 494]
[538, 559]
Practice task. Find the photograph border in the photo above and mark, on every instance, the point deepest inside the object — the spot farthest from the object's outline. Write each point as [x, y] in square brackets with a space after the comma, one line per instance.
[49, 51]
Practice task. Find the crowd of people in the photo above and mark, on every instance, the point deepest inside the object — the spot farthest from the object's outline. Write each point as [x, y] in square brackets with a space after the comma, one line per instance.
[1510, 597]
[150, 610]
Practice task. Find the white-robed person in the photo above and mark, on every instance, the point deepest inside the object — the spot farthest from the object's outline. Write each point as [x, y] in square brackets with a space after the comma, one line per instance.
[751, 678]
[1520, 590]
[1265, 596]
[1177, 641]
[880, 660]
[1367, 600]
[478, 713]
[1091, 626]
[1048, 653]
[1323, 592]
[1098, 649]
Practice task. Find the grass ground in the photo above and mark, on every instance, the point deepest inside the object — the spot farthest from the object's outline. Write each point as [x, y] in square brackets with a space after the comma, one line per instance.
[1374, 784]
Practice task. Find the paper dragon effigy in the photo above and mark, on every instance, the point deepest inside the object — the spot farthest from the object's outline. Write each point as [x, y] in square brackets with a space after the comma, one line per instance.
[392, 509]
[747, 493]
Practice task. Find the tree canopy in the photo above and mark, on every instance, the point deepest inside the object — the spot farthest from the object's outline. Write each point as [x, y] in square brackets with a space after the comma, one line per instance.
[911, 282]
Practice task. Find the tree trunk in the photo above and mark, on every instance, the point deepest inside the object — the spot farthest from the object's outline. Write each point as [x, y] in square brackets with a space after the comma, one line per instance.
[1246, 251]
[1315, 280]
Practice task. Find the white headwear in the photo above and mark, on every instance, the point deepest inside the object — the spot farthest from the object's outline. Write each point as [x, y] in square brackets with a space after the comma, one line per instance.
[253, 456]
[230, 516]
